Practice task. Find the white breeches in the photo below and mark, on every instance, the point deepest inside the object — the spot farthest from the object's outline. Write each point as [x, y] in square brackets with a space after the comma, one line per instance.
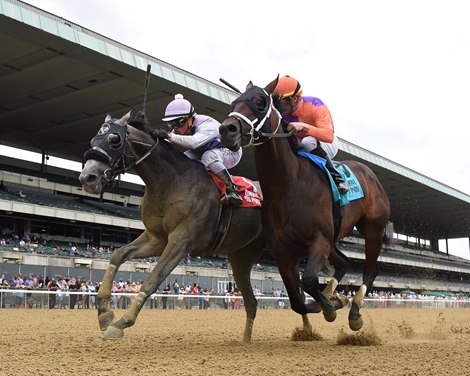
[218, 159]
[309, 143]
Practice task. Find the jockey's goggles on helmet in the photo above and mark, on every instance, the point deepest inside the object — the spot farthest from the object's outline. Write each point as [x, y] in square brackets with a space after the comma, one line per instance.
[286, 100]
[177, 123]
[281, 103]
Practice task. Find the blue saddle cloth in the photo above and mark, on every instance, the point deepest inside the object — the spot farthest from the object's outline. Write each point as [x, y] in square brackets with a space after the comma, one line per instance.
[355, 190]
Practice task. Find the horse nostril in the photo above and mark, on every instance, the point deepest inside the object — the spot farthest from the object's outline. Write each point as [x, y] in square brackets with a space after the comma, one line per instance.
[232, 128]
[90, 179]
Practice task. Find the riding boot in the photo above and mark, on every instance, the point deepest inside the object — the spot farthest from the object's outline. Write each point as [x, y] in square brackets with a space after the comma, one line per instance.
[338, 179]
[231, 196]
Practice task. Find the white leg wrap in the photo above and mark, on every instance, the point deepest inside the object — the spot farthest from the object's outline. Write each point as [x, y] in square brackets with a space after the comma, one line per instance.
[330, 287]
[359, 297]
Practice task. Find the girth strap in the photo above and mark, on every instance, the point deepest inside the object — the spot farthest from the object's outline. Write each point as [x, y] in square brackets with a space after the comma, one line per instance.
[337, 219]
[223, 224]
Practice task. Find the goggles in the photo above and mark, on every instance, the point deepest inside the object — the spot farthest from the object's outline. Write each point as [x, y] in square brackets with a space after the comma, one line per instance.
[283, 102]
[177, 123]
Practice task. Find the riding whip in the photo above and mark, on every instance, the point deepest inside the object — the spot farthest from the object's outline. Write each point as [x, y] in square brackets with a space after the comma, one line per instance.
[147, 81]
[230, 85]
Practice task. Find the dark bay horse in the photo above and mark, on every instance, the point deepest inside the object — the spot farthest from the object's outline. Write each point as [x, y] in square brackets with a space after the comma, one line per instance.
[297, 213]
[180, 210]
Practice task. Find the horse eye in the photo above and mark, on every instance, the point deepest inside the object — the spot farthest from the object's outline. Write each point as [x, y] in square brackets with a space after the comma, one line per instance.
[260, 104]
[114, 139]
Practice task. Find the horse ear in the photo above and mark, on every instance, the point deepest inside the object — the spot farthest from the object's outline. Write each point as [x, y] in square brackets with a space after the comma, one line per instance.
[108, 118]
[249, 86]
[124, 119]
[272, 85]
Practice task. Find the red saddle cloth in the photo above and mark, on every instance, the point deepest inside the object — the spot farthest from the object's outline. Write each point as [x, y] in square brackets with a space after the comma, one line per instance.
[246, 188]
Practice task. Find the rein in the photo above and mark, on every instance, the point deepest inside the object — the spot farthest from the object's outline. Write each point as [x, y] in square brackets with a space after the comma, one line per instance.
[114, 173]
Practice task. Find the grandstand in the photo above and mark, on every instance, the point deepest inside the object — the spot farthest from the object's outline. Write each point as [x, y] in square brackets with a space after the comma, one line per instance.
[58, 118]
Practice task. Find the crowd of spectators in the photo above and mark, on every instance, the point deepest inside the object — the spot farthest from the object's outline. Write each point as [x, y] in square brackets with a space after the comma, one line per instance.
[61, 285]
[187, 296]
[38, 245]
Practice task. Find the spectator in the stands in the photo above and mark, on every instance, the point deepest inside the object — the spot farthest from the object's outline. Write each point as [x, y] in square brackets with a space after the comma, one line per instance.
[52, 286]
[74, 286]
[166, 291]
[62, 284]
[236, 302]
[92, 290]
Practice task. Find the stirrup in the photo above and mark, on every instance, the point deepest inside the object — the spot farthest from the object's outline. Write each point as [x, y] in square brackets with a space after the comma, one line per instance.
[231, 198]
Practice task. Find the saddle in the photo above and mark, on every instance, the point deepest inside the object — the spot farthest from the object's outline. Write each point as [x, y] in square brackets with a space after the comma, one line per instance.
[247, 189]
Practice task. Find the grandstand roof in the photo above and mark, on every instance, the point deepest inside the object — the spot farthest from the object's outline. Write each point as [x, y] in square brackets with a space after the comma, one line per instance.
[63, 79]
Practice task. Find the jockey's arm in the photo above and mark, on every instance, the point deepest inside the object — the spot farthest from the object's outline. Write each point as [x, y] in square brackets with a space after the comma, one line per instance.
[323, 128]
[204, 134]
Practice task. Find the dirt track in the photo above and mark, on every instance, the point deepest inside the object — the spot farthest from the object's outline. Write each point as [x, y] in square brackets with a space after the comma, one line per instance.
[64, 342]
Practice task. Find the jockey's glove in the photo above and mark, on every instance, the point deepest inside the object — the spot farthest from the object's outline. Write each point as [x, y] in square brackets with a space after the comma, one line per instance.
[159, 133]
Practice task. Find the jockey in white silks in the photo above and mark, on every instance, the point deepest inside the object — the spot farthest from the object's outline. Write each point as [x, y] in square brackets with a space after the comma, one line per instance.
[199, 136]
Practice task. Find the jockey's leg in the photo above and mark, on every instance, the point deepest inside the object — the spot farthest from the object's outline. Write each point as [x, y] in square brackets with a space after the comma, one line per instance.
[338, 179]
[214, 159]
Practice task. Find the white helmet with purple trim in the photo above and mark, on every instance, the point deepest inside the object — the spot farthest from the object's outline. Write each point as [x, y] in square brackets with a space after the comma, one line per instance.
[179, 107]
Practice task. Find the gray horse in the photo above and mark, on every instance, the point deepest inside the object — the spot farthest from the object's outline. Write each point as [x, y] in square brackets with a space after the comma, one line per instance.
[180, 211]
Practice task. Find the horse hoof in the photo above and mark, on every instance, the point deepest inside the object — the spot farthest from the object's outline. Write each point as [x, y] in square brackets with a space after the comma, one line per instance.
[355, 325]
[113, 333]
[330, 316]
[246, 341]
[105, 319]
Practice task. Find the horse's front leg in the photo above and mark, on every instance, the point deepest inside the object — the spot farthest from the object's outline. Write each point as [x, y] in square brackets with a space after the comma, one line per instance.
[289, 271]
[141, 247]
[318, 252]
[173, 253]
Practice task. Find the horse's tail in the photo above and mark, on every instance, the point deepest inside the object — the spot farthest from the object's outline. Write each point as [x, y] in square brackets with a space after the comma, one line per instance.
[388, 234]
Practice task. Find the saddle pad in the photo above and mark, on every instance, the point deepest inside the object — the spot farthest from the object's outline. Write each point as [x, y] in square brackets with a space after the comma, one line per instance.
[246, 188]
[355, 190]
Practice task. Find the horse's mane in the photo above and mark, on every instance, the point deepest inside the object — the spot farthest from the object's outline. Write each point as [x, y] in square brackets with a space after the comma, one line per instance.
[140, 122]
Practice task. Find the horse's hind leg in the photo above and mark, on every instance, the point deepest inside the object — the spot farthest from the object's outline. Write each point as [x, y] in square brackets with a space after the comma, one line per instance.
[242, 262]
[141, 247]
[373, 245]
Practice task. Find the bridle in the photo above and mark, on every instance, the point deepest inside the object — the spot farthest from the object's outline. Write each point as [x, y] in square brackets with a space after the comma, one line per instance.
[262, 118]
[113, 151]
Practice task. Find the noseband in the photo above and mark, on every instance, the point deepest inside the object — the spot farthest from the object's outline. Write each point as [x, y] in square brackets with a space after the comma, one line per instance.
[114, 153]
[261, 117]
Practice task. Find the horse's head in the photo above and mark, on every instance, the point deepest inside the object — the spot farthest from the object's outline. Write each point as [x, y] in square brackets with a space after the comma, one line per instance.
[112, 151]
[253, 118]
